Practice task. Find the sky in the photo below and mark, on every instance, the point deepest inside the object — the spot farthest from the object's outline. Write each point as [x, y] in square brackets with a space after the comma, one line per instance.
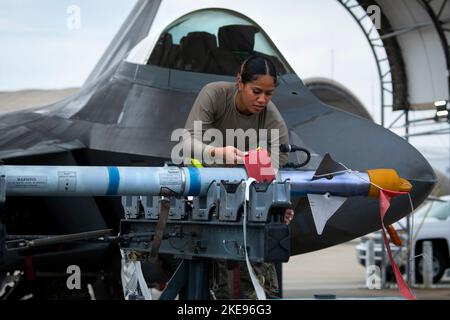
[40, 48]
[41, 51]
[44, 46]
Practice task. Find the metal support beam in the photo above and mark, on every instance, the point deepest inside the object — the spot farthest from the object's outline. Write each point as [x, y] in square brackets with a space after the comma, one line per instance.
[438, 24]
[190, 281]
[384, 60]
[404, 30]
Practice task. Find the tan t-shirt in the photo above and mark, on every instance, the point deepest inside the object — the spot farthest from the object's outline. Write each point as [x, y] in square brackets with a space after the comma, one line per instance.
[215, 107]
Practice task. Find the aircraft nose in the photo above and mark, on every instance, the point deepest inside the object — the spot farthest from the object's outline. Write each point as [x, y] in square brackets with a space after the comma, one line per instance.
[360, 145]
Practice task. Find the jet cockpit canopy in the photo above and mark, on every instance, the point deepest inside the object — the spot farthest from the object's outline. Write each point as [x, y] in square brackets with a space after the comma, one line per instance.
[214, 41]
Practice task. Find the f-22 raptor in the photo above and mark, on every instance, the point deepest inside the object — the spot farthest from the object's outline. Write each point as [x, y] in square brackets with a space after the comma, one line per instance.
[139, 92]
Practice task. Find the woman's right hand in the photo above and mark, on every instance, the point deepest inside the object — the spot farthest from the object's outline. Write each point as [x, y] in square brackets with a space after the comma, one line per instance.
[227, 155]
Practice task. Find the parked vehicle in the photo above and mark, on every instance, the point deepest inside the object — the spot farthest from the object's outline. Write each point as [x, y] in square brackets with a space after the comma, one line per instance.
[432, 223]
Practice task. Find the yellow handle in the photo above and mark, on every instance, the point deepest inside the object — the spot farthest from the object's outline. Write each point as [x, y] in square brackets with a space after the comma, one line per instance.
[196, 163]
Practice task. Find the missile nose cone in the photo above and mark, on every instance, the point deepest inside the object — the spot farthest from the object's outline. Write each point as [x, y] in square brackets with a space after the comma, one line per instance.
[387, 179]
[405, 185]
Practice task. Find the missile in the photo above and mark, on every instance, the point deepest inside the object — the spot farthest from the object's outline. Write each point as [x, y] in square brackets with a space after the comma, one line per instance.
[327, 188]
[183, 181]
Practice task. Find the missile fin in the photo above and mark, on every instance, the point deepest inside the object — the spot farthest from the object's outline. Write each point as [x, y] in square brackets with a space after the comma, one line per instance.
[326, 166]
[323, 206]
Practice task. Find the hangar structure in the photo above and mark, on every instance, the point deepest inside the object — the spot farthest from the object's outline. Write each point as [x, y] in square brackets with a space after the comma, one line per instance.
[410, 42]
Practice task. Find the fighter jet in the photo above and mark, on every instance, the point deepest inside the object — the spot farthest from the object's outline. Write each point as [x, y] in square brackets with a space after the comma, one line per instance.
[140, 91]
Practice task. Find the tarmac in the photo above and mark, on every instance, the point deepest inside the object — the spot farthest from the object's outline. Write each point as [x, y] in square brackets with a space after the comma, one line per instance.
[26, 99]
[335, 273]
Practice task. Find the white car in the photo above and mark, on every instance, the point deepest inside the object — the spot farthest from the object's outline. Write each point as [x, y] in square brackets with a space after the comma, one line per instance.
[431, 222]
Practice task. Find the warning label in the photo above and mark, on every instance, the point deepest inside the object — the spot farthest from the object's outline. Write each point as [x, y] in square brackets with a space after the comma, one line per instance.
[23, 182]
[67, 181]
[170, 178]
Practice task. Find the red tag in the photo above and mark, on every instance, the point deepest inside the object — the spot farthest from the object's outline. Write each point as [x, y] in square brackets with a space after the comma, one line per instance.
[385, 203]
[259, 165]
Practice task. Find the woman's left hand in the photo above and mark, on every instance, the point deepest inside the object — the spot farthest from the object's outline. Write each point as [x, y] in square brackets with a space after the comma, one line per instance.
[288, 215]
